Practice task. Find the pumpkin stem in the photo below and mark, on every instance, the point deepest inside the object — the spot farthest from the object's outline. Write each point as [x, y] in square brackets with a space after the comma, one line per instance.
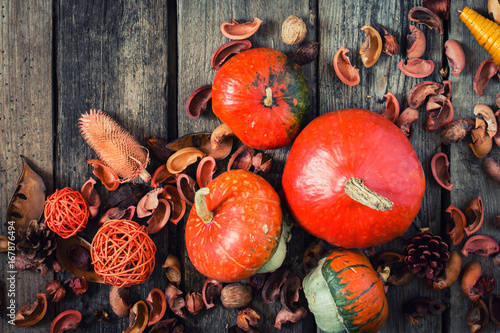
[201, 205]
[268, 101]
[357, 190]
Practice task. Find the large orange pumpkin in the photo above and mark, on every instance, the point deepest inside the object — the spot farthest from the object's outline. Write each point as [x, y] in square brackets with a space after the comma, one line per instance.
[345, 293]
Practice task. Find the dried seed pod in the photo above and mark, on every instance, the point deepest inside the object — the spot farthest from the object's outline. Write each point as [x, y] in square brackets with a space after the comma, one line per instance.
[474, 284]
[194, 302]
[211, 289]
[487, 69]
[306, 53]
[475, 215]
[477, 317]
[456, 56]
[162, 175]
[106, 175]
[148, 203]
[415, 43]
[176, 303]
[119, 300]
[456, 130]
[139, 317]
[178, 205]
[239, 31]
[241, 158]
[293, 30]
[114, 145]
[183, 158]
[157, 305]
[440, 7]
[262, 163]
[480, 245]
[422, 15]
[205, 171]
[456, 224]
[346, 72]
[481, 142]
[492, 168]
[390, 44]
[219, 135]
[67, 320]
[372, 46]
[89, 193]
[488, 116]
[405, 121]
[31, 313]
[173, 266]
[285, 316]
[422, 307]
[247, 318]
[160, 217]
[79, 285]
[273, 284]
[416, 67]
[419, 93]
[55, 290]
[440, 166]
[290, 292]
[74, 256]
[224, 52]
[197, 102]
[186, 185]
[236, 295]
[451, 272]
[391, 108]
[440, 117]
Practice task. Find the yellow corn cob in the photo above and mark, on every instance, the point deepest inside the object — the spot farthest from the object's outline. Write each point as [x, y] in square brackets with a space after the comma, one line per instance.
[486, 32]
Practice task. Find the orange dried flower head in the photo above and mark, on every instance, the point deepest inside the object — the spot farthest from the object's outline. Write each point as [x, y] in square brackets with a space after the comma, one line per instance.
[116, 147]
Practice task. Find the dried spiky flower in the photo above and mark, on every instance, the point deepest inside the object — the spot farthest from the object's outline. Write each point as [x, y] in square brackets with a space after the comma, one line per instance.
[114, 145]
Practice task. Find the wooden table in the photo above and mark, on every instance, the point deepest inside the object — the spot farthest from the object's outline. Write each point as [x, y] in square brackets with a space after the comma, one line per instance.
[140, 60]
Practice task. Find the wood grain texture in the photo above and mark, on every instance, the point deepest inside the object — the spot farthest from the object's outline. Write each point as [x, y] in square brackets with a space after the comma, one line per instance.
[199, 36]
[111, 56]
[465, 168]
[26, 121]
[340, 24]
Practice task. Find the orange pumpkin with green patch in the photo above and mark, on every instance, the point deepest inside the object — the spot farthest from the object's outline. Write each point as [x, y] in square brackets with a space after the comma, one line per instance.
[346, 294]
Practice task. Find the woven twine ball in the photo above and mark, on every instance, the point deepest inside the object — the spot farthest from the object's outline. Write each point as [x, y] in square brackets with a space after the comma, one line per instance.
[122, 253]
[66, 212]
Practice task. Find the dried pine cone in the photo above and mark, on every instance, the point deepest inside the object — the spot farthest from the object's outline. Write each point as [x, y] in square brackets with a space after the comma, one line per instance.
[38, 242]
[426, 255]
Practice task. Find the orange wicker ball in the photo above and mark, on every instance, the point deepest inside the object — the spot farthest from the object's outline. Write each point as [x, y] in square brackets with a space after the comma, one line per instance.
[66, 212]
[122, 253]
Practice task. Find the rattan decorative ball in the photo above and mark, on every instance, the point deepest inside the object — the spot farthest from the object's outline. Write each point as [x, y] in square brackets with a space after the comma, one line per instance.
[66, 212]
[122, 253]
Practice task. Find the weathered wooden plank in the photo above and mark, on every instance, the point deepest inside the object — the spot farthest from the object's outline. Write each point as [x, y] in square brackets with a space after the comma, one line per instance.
[25, 123]
[111, 56]
[339, 25]
[465, 168]
[199, 36]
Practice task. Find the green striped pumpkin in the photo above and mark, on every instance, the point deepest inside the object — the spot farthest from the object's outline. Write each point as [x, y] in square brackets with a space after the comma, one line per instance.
[345, 294]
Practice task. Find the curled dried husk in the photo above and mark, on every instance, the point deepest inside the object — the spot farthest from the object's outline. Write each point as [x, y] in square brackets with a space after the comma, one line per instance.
[480, 245]
[183, 158]
[290, 292]
[440, 170]
[417, 67]
[205, 171]
[219, 135]
[201, 141]
[239, 31]
[31, 313]
[422, 307]
[456, 224]
[148, 203]
[224, 52]
[495, 309]
[487, 69]
[74, 256]
[211, 289]
[440, 7]
[273, 284]
[79, 285]
[391, 109]
[440, 117]
[262, 162]
[241, 158]
[176, 303]
[306, 53]
[256, 282]
[456, 130]
[372, 46]
[138, 317]
[67, 320]
[173, 266]
[157, 305]
[390, 44]
[158, 147]
[415, 43]
[247, 318]
[419, 93]
[481, 142]
[285, 316]
[117, 213]
[472, 272]
[477, 317]
[160, 217]
[119, 300]
[55, 290]
[162, 175]
[406, 119]
[492, 168]
[197, 102]
[186, 186]
[422, 15]
[27, 202]
[346, 72]
[106, 175]
[171, 194]
[474, 214]
[456, 56]
[90, 195]
[488, 116]
[451, 273]
[194, 302]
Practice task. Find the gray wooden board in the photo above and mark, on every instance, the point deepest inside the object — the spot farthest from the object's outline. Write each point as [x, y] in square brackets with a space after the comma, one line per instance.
[25, 123]
[465, 168]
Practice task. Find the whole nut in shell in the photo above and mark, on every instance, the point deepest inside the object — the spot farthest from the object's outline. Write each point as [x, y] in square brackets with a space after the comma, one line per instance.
[236, 295]
[293, 30]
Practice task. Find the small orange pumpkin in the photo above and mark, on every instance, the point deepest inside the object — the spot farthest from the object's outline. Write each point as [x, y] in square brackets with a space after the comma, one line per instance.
[346, 294]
